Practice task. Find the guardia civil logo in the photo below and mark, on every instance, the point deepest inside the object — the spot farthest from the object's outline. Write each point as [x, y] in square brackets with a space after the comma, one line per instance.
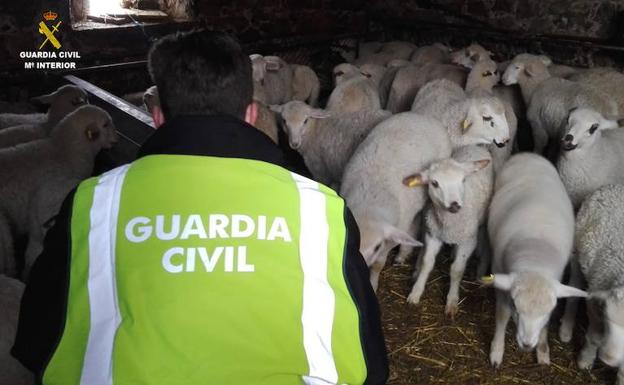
[49, 55]
[49, 31]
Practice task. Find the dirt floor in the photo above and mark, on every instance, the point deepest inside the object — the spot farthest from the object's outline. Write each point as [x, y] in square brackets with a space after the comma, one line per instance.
[426, 347]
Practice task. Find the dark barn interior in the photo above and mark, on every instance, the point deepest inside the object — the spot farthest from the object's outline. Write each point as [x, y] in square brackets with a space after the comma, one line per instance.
[424, 346]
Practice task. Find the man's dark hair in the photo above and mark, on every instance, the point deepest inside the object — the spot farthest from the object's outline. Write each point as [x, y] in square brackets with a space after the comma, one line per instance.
[201, 73]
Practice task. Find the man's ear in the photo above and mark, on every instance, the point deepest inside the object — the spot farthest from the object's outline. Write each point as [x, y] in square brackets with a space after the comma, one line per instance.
[158, 116]
[251, 114]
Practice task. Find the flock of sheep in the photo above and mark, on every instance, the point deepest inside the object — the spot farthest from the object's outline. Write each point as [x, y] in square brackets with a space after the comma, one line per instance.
[420, 143]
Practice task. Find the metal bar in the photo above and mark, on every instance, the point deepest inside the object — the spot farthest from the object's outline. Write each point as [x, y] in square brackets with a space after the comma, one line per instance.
[133, 124]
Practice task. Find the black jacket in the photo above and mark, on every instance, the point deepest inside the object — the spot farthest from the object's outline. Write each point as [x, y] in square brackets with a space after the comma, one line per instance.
[42, 316]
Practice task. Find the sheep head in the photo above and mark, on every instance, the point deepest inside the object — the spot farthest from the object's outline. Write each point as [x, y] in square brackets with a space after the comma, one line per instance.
[525, 67]
[445, 181]
[299, 119]
[533, 297]
[63, 101]
[485, 122]
[583, 127]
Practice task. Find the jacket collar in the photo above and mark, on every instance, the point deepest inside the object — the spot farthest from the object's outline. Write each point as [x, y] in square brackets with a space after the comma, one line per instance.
[213, 135]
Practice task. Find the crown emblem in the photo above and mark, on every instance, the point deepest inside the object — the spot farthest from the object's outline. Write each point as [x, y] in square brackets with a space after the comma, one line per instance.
[50, 15]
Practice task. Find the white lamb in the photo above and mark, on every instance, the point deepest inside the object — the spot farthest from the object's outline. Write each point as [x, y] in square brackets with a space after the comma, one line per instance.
[151, 99]
[38, 126]
[468, 119]
[36, 177]
[460, 189]
[482, 81]
[600, 252]
[470, 55]
[384, 209]
[388, 52]
[436, 53]
[11, 371]
[593, 153]
[531, 229]
[306, 85]
[62, 101]
[549, 99]
[410, 79]
[356, 94]
[275, 76]
[326, 140]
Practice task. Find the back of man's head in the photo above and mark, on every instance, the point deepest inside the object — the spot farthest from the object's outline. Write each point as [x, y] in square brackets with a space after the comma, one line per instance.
[201, 73]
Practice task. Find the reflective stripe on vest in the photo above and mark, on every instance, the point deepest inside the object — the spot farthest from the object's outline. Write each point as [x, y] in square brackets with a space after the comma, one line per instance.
[233, 280]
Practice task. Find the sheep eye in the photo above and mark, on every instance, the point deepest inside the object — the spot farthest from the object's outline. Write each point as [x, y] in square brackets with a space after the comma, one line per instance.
[487, 118]
[377, 247]
[593, 129]
[339, 73]
[435, 183]
[487, 73]
[491, 124]
[305, 121]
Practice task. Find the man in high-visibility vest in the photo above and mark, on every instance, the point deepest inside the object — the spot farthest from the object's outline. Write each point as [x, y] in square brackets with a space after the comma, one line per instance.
[206, 260]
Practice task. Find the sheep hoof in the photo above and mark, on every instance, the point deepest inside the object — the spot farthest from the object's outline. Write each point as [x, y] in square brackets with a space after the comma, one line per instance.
[585, 360]
[543, 358]
[451, 310]
[565, 333]
[413, 299]
[496, 358]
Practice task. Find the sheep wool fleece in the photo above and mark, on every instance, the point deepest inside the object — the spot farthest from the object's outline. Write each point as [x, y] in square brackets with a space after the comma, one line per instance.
[173, 291]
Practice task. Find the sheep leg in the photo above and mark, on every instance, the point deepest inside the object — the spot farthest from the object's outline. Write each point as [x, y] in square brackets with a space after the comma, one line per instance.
[484, 251]
[503, 313]
[406, 251]
[432, 247]
[592, 339]
[462, 251]
[569, 316]
[543, 350]
[375, 270]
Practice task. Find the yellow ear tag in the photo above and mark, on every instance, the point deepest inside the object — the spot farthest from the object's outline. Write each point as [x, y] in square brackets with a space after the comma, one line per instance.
[465, 124]
[488, 279]
[413, 183]
[89, 134]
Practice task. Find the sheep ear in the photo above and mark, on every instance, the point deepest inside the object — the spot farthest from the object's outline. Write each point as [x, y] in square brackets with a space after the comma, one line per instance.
[415, 180]
[466, 125]
[563, 291]
[276, 108]
[475, 166]
[399, 237]
[530, 69]
[45, 99]
[499, 281]
[92, 132]
[319, 113]
[545, 59]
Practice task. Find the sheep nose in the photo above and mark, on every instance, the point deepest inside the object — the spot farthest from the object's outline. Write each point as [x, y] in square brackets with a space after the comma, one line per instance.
[568, 138]
[454, 207]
